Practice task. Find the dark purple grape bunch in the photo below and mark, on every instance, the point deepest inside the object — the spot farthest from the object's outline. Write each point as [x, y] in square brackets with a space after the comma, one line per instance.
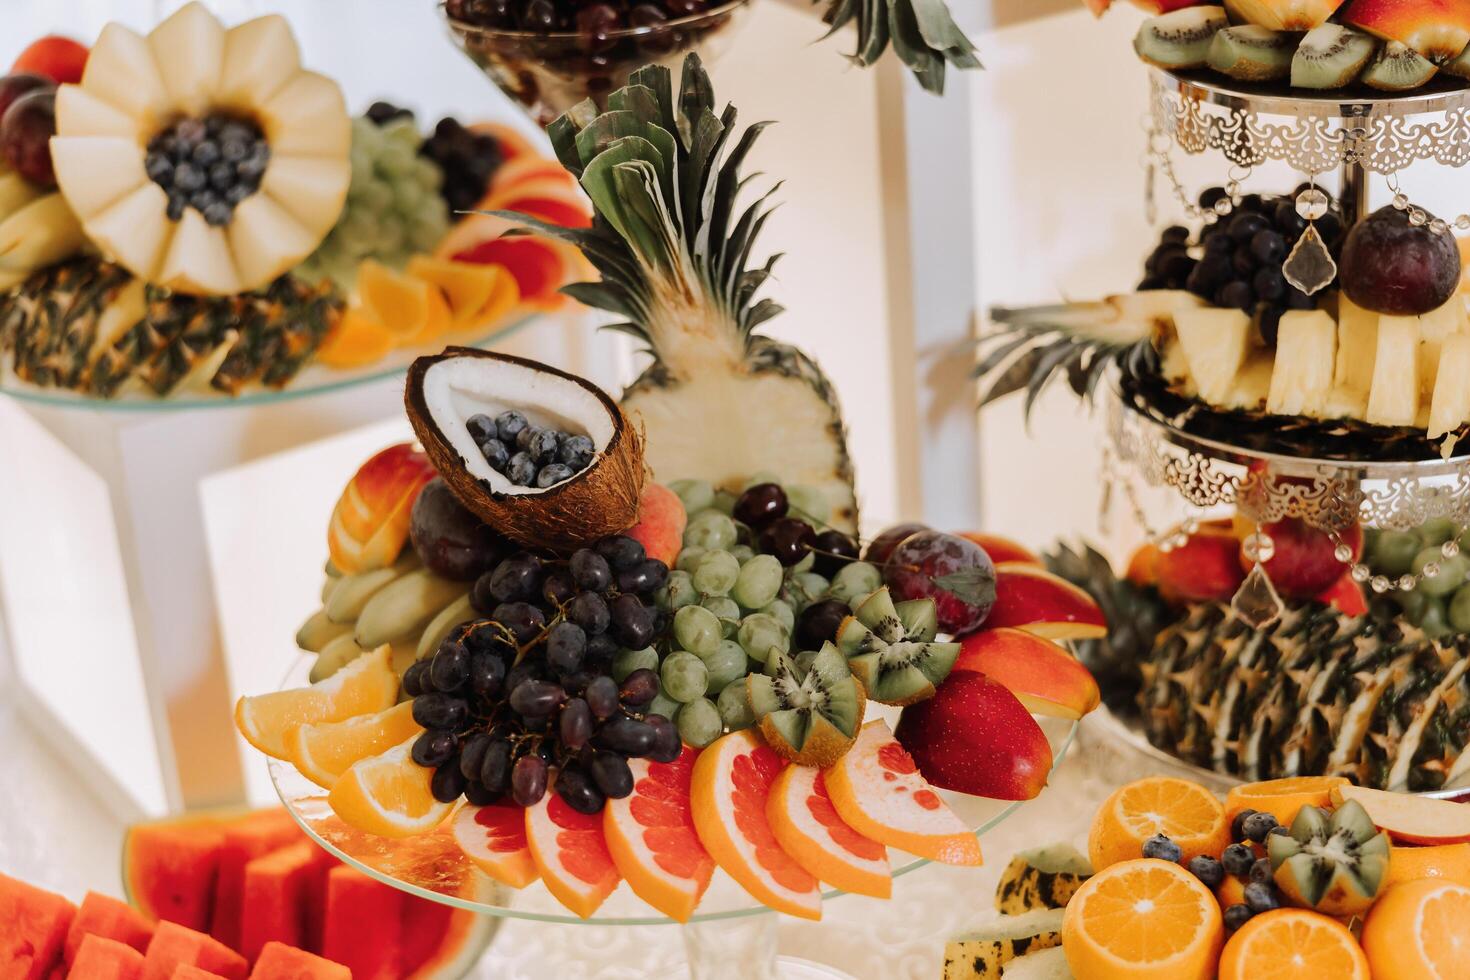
[530, 455]
[468, 159]
[523, 698]
[595, 19]
[210, 164]
[1237, 263]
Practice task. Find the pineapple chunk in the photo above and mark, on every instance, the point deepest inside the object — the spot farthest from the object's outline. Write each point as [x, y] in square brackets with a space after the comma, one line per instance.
[1357, 342]
[1249, 389]
[1306, 349]
[1451, 403]
[1215, 344]
[1394, 397]
[1435, 327]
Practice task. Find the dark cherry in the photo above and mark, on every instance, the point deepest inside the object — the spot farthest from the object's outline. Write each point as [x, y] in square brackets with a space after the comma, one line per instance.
[761, 504]
[789, 539]
[834, 549]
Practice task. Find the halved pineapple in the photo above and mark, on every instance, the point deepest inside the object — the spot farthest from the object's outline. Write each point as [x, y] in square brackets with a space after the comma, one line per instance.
[1306, 348]
[188, 66]
[1394, 397]
[1451, 403]
[1215, 344]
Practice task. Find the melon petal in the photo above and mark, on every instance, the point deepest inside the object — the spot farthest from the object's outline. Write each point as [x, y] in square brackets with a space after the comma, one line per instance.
[188, 48]
[260, 56]
[82, 113]
[199, 259]
[121, 71]
[95, 172]
[313, 189]
[266, 241]
[135, 231]
[307, 117]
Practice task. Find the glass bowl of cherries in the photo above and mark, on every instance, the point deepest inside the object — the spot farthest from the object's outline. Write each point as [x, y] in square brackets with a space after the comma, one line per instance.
[548, 55]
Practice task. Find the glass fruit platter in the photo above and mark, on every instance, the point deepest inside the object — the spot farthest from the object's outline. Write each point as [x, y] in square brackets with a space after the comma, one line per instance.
[432, 866]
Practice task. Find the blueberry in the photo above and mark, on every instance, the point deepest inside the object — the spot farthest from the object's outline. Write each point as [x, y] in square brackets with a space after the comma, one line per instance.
[160, 168]
[234, 150]
[252, 167]
[217, 214]
[174, 210]
[1257, 826]
[206, 154]
[1237, 824]
[1261, 870]
[236, 132]
[509, 425]
[552, 474]
[1160, 847]
[1237, 916]
[520, 470]
[1238, 859]
[190, 131]
[1261, 897]
[480, 426]
[1278, 829]
[221, 176]
[574, 449]
[523, 438]
[495, 454]
[1207, 870]
[188, 178]
[543, 446]
[238, 193]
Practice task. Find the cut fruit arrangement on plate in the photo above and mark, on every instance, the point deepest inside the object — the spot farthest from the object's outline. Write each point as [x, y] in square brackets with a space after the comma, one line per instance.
[582, 676]
[1290, 878]
[1383, 45]
[235, 895]
[191, 211]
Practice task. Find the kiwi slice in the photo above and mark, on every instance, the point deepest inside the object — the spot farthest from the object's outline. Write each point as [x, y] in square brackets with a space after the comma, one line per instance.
[1459, 66]
[1398, 68]
[809, 708]
[891, 648]
[1332, 864]
[1181, 38]
[1330, 56]
[1252, 53]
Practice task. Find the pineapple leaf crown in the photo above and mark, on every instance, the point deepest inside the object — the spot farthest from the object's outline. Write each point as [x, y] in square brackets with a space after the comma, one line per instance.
[922, 32]
[664, 182]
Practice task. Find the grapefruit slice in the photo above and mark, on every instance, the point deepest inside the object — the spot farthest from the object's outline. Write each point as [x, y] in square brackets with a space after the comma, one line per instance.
[571, 854]
[732, 780]
[651, 836]
[807, 826]
[494, 838]
[878, 792]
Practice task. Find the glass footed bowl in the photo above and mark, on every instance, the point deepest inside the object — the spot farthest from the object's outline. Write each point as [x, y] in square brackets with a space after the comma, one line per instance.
[432, 866]
[547, 74]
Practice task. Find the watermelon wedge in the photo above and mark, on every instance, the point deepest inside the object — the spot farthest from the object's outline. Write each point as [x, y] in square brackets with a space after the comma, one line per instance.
[99, 958]
[169, 868]
[253, 836]
[281, 962]
[174, 945]
[33, 928]
[363, 924]
[108, 918]
[275, 890]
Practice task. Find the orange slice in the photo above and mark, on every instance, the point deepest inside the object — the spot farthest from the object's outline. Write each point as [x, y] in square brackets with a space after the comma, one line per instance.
[808, 828]
[1143, 920]
[494, 838]
[504, 297]
[466, 286]
[1416, 931]
[1282, 798]
[397, 301]
[357, 340]
[1450, 862]
[878, 792]
[1185, 812]
[1293, 944]
[364, 686]
[324, 751]
[651, 836]
[570, 852]
[437, 319]
[732, 779]
[388, 795]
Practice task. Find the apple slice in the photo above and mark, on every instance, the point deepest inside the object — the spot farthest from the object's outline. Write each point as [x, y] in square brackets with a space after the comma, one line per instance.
[1043, 676]
[96, 171]
[313, 189]
[307, 117]
[83, 113]
[188, 48]
[1002, 549]
[260, 56]
[1410, 819]
[1035, 600]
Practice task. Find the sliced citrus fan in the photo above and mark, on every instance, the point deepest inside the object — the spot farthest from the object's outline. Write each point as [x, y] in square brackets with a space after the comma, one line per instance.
[732, 779]
[494, 838]
[807, 826]
[388, 795]
[651, 837]
[135, 89]
[1145, 920]
[1293, 944]
[1185, 812]
[364, 686]
[571, 854]
[878, 791]
[324, 751]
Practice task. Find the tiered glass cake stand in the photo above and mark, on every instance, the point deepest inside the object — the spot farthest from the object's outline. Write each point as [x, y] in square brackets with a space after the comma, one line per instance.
[730, 935]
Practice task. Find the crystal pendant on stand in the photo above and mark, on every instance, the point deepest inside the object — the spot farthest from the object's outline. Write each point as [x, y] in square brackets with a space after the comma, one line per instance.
[1256, 602]
[1309, 267]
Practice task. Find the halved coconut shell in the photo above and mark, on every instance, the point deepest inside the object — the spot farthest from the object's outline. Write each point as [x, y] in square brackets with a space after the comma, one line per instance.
[442, 393]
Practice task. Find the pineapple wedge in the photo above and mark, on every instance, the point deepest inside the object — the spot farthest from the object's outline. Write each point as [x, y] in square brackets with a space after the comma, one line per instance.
[1249, 389]
[1306, 350]
[1394, 397]
[1215, 344]
[1451, 403]
[1357, 343]
[1435, 327]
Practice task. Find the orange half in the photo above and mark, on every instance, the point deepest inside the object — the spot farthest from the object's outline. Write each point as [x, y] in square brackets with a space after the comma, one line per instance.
[364, 686]
[1417, 930]
[1185, 812]
[651, 837]
[494, 838]
[1143, 920]
[571, 853]
[808, 827]
[1293, 944]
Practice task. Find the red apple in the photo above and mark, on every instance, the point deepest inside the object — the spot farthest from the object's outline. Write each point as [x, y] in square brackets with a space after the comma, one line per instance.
[1033, 599]
[956, 573]
[1303, 560]
[1346, 595]
[1409, 819]
[1164, 6]
[1043, 676]
[882, 546]
[975, 737]
[1001, 549]
[661, 521]
[1206, 568]
[58, 58]
[1437, 29]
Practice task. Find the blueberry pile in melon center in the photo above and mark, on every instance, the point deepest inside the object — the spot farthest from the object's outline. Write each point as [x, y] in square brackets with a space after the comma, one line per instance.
[210, 164]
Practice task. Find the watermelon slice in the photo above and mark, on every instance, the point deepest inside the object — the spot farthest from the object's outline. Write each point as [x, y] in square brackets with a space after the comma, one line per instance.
[187, 971]
[275, 891]
[362, 928]
[174, 945]
[253, 836]
[99, 958]
[33, 928]
[108, 918]
[440, 942]
[281, 962]
[169, 868]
